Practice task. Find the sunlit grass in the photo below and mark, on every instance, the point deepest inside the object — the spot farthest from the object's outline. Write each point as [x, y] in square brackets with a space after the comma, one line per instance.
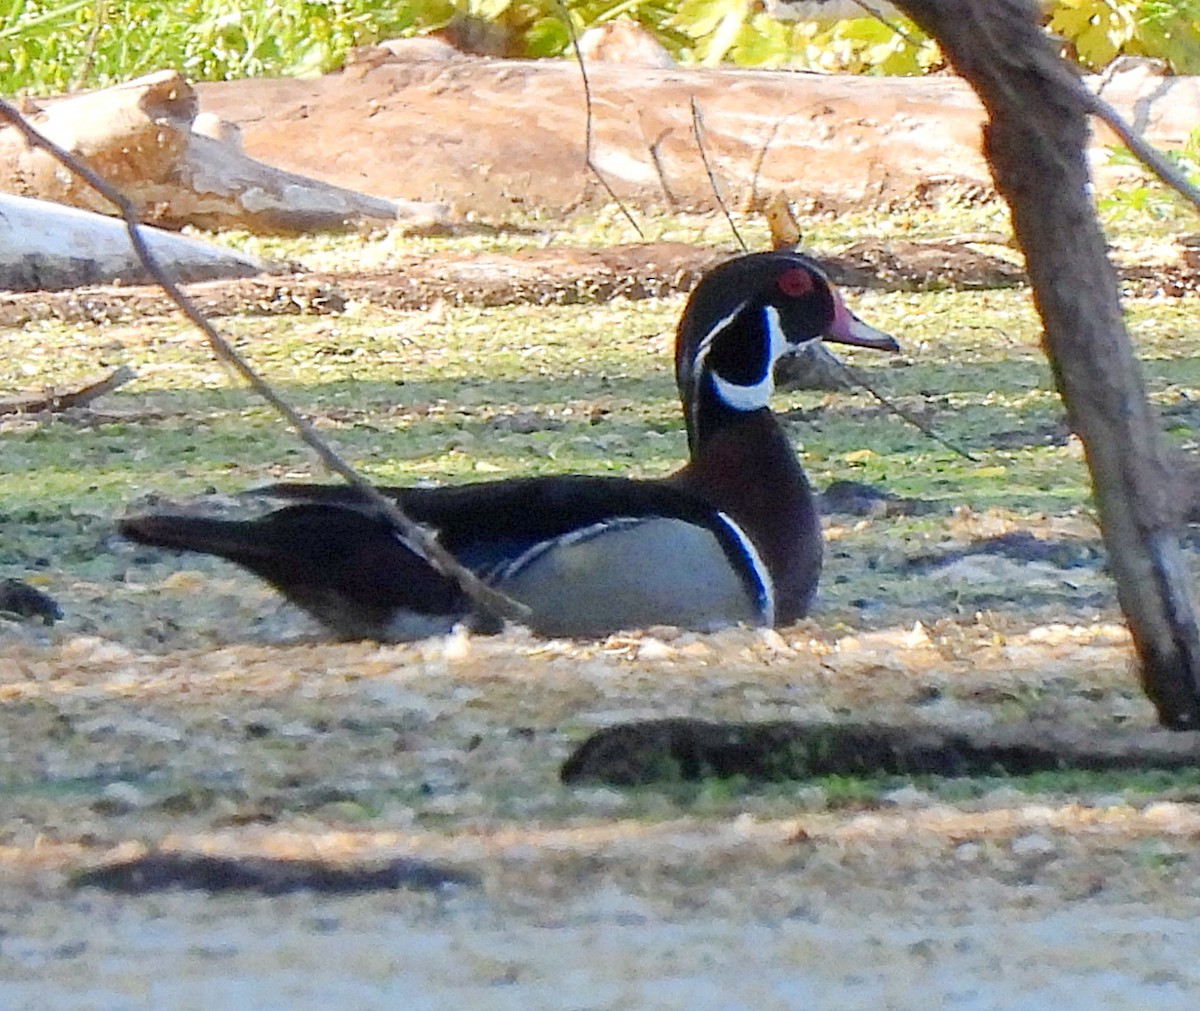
[465, 393]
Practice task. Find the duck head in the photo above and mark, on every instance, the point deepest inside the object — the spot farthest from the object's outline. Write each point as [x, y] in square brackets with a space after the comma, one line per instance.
[741, 319]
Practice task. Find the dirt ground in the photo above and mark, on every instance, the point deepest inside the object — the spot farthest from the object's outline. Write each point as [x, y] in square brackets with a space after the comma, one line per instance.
[447, 753]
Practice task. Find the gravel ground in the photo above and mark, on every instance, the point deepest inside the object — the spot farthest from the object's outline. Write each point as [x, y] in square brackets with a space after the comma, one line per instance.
[607, 952]
[447, 751]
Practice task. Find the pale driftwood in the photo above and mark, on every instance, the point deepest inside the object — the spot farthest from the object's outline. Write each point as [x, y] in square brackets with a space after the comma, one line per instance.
[33, 403]
[1036, 140]
[140, 137]
[46, 246]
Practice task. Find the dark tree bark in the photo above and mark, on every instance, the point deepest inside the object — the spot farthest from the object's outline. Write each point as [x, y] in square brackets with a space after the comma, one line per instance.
[1035, 141]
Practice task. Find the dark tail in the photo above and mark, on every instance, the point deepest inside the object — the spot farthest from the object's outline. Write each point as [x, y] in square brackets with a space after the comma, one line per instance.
[343, 565]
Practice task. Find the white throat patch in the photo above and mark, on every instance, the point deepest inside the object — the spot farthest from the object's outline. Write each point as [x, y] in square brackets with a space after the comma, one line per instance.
[758, 394]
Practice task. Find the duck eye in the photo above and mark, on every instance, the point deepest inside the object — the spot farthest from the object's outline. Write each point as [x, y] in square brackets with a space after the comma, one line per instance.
[796, 282]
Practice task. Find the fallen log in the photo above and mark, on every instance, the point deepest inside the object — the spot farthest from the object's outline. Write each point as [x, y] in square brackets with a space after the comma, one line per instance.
[144, 137]
[494, 136]
[687, 750]
[46, 246]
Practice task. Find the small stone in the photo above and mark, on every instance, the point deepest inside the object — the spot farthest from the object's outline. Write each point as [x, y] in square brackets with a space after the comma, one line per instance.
[773, 640]
[21, 599]
[651, 648]
[812, 798]
[968, 852]
[456, 647]
[119, 798]
[1033, 845]
[906, 797]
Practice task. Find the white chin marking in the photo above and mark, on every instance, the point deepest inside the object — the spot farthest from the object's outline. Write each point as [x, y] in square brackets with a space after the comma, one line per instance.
[758, 394]
[744, 398]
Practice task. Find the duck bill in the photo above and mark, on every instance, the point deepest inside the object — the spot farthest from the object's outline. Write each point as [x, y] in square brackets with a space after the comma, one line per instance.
[847, 328]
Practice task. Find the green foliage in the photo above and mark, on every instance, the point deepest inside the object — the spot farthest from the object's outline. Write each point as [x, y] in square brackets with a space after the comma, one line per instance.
[1148, 198]
[49, 46]
[738, 31]
[1097, 31]
[54, 47]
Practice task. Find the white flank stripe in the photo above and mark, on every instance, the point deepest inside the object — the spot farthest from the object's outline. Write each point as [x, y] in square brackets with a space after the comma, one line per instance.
[580, 534]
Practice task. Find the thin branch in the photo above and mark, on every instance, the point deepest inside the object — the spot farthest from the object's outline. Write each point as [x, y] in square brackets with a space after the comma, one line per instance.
[99, 19]
[672, 203]
[1141, 149]
[54, 402]
[781, 222]
[587, 98]
[490, 601]
[877, 14]
[698, 133]
[760, 158]
[856, 377]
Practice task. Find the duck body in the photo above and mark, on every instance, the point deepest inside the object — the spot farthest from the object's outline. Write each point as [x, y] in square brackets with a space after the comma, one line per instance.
[732, 537]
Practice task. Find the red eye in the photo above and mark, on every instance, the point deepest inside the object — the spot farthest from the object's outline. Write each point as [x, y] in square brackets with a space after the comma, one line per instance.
[795, 282]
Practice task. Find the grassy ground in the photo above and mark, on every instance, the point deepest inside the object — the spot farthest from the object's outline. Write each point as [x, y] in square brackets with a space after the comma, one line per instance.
[433, 396]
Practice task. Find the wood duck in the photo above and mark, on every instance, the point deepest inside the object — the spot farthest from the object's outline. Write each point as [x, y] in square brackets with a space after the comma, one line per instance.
[732, 537]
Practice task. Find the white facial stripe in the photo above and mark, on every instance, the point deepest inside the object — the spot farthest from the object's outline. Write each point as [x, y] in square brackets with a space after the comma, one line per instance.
[762, 575]
[706, 344]
[756, 395]
[696, 368]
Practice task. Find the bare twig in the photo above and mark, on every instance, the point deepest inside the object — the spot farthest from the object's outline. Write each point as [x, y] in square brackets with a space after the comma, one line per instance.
[851, 373]
[856, 377]
[781, 221]
[655, 157]
[698, 132]
[99, 20]
[34, 403]
[760, 158]
[1141, 149]
[877, 14]
[490, 601]
[589, 130]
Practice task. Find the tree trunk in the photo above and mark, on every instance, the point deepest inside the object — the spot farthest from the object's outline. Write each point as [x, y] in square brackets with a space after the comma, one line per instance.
[1035, 141]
